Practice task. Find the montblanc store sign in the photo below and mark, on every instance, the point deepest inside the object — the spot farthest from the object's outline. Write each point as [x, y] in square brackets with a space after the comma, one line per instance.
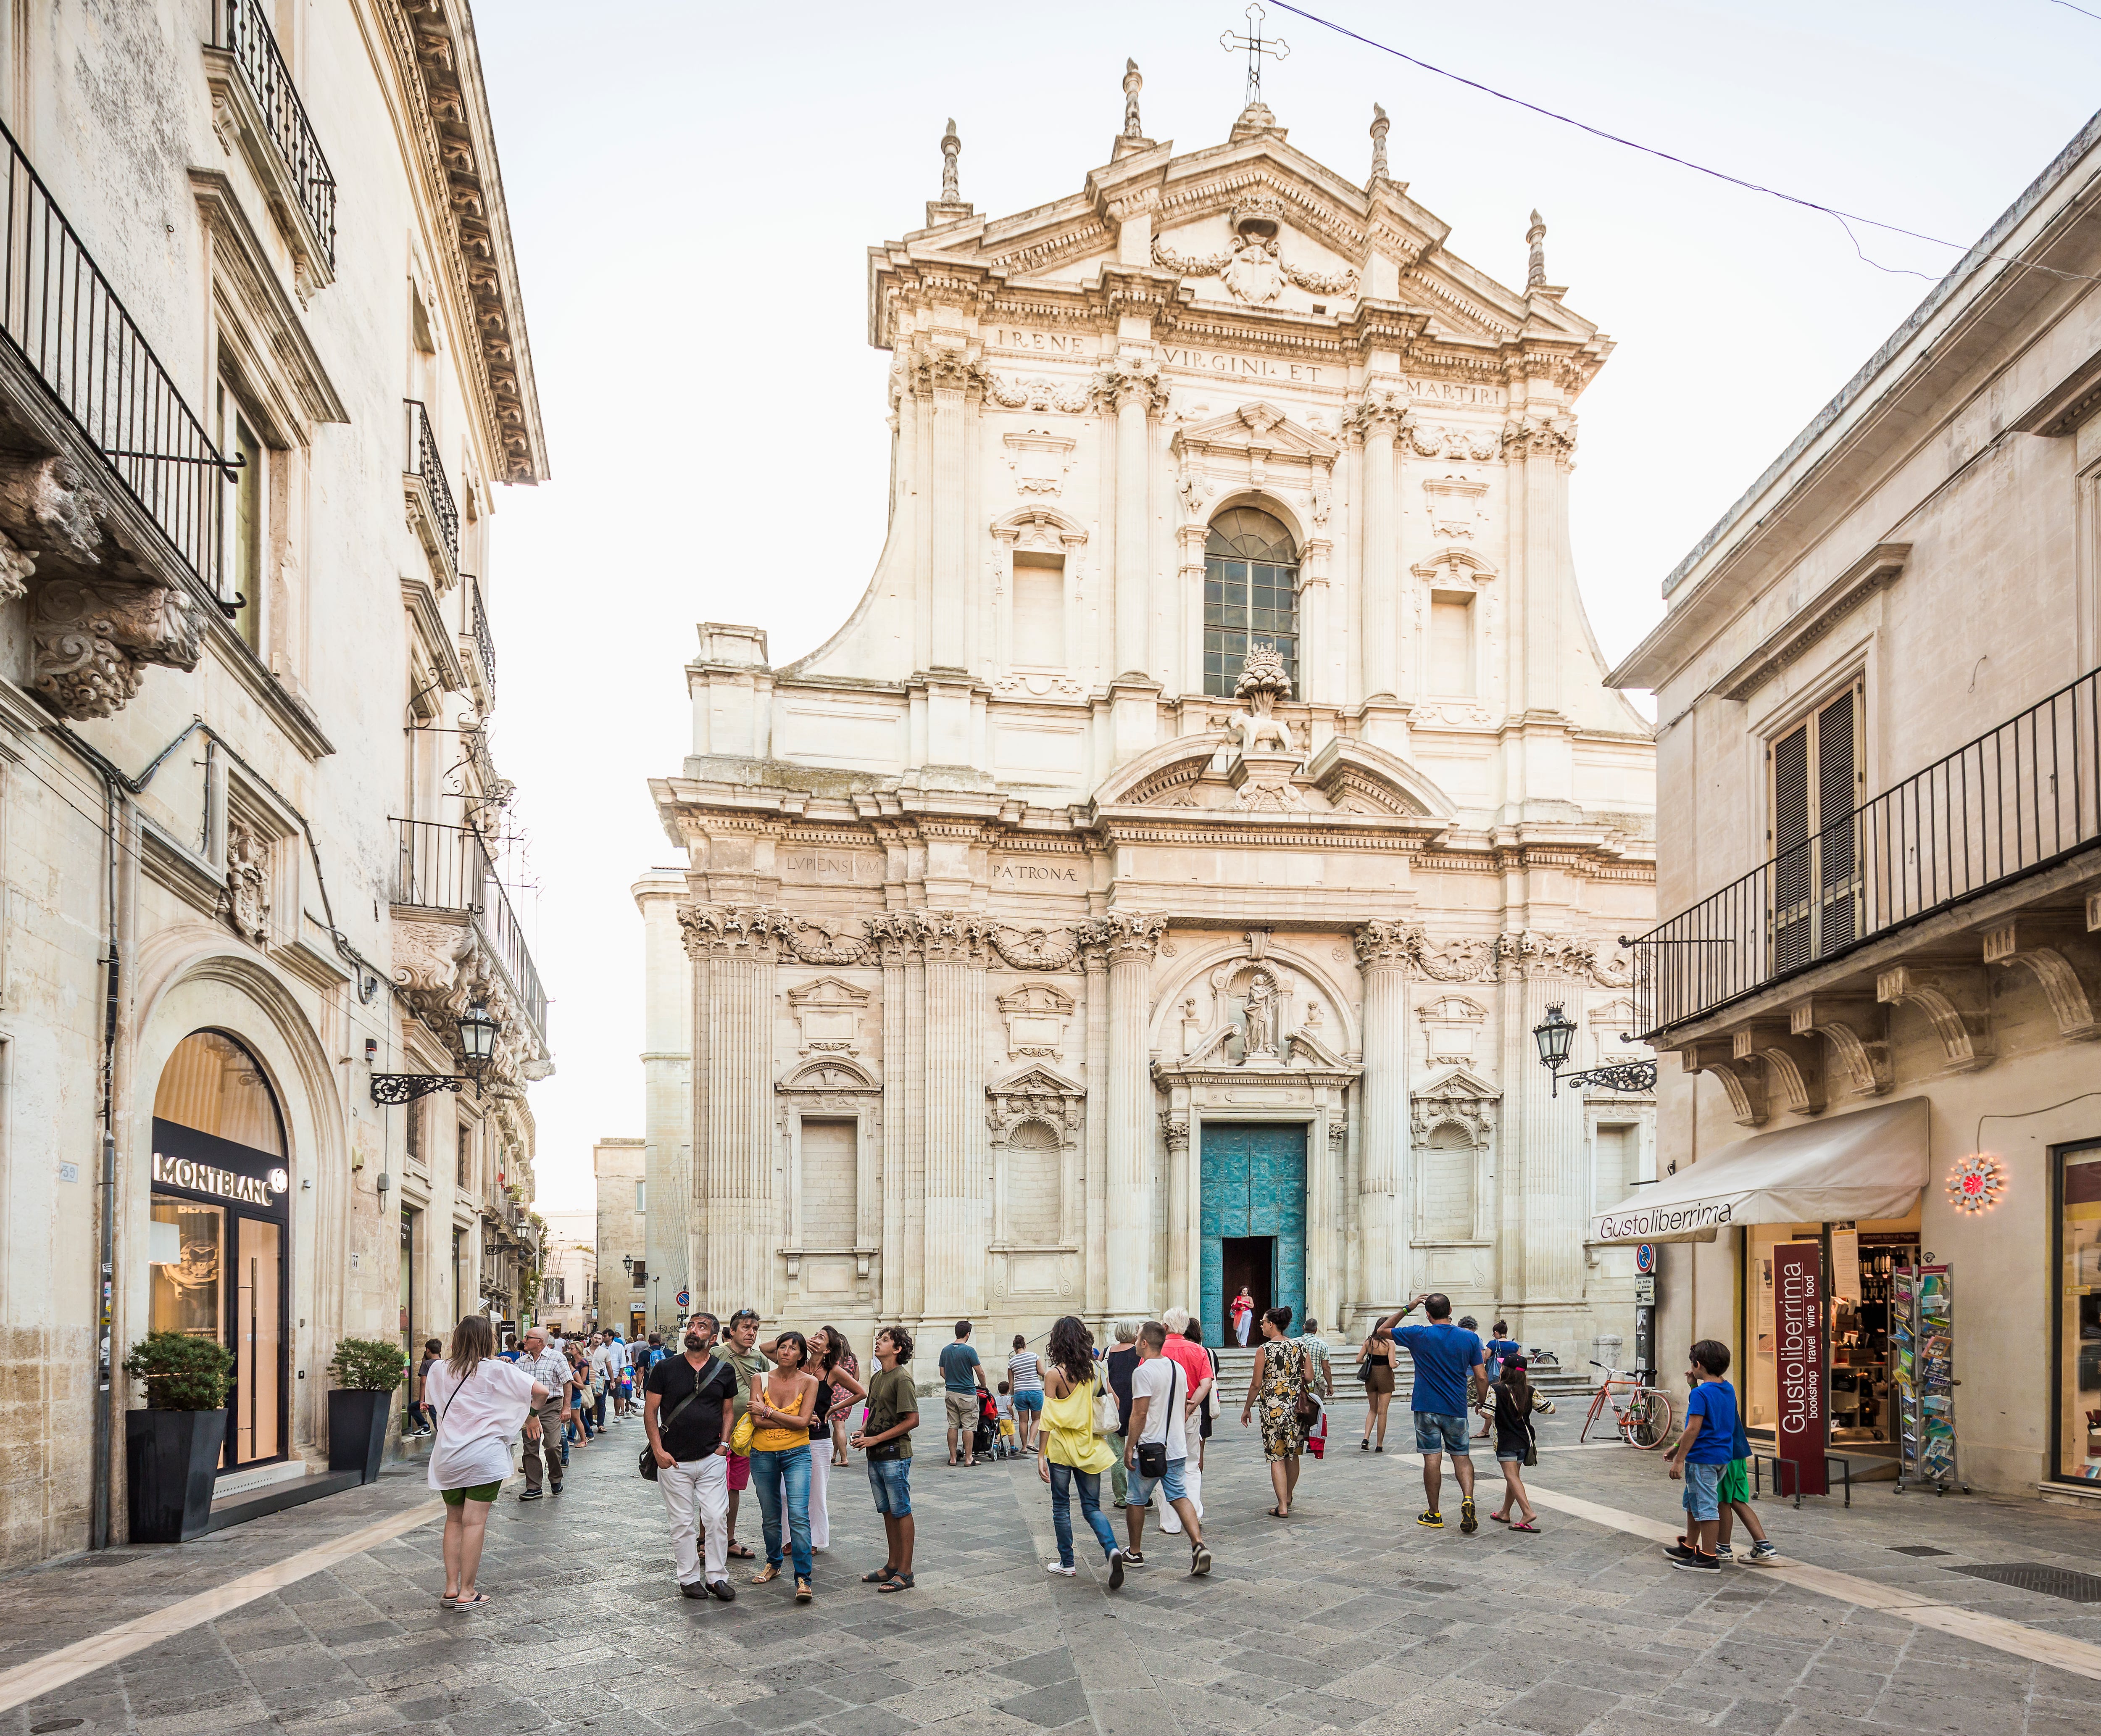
[187, 1161]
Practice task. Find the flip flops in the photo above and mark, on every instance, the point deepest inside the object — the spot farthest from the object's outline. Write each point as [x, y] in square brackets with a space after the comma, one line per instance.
[1526, 1525]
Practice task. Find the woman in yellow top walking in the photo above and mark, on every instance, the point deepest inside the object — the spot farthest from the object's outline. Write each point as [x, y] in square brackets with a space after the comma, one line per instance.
[782, 1401]
[1073, 1449]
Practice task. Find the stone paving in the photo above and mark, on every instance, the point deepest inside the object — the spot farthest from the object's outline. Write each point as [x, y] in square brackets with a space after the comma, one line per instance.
[1348, 1617]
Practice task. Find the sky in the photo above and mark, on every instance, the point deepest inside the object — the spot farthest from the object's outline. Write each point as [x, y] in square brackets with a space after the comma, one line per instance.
[692, 189]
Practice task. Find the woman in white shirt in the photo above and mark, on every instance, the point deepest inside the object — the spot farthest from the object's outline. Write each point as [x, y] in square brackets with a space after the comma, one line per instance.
[479, 1402]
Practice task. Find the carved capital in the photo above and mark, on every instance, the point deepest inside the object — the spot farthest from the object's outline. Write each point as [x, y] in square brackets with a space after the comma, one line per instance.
[88, 642]
[1540, 436]
[1128, 935]
[1523, 953]
[719, 931]
[1388, 946]
[1131, 379]
[1174, 1129]
[1383, 409]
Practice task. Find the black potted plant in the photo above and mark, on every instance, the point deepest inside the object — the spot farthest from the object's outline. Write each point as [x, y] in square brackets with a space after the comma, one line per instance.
[171, 1448]
[366, 1371]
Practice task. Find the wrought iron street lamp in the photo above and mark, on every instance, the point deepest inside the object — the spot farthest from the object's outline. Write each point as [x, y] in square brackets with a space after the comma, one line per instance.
[478, 1032]
[1556, 1032]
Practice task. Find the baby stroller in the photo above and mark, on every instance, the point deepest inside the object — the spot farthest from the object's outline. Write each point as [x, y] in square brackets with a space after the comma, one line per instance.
[988, 1429]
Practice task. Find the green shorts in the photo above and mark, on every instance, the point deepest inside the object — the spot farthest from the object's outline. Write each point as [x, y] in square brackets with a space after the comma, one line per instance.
[476, 1492]
[1735, 1481]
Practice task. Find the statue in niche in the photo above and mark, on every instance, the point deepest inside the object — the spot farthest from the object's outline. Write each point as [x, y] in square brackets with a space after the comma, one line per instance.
[1259, 1042]
[1262, 683]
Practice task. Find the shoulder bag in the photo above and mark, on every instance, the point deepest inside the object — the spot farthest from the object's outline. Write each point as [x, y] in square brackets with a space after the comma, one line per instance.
[1305, 1406]
[1152, 1455]
[1109, 1417]
[648, 1465]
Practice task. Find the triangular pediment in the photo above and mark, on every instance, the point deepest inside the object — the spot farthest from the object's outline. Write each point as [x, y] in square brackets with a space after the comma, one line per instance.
[1461, 1085]
[1035, 1081]
[1256, 426]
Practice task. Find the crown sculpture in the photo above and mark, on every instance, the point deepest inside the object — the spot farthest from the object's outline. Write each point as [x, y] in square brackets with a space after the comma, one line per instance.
[1263, 682]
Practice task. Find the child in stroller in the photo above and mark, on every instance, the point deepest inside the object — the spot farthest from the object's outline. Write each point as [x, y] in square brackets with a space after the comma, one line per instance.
[988, 1428]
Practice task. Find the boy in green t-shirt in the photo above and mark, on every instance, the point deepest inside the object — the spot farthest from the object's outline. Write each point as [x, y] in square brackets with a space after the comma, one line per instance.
[885, 1437]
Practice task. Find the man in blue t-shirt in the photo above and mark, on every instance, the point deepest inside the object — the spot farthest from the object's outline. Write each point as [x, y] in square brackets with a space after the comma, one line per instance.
[962, 1379]
[1702, 1454]
[1445, 1356]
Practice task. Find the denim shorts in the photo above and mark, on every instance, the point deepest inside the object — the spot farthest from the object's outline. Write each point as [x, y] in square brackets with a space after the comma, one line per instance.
[1703, 1485]
[1437, 1431]
[1030, 1399]
[1169, 1481]
[890, 1481]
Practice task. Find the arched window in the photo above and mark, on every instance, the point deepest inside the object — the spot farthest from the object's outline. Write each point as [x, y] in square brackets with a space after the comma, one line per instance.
[1250, 595]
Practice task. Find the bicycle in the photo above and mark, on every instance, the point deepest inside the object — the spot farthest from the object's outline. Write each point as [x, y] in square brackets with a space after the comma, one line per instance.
[1642, 1419]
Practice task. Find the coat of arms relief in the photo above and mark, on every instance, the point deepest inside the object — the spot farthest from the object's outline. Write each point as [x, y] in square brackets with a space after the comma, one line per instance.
[1253, 267]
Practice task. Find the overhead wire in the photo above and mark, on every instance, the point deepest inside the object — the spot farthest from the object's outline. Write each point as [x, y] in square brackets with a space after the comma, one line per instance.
[1844, 218]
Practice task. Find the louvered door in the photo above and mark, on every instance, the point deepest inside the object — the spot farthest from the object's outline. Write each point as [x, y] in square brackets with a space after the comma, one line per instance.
[1814, 900]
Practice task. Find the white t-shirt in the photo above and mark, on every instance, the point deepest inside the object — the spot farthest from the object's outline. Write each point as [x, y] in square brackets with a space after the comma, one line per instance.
[1152, 1379]
[615, 1356]
[477, 1419]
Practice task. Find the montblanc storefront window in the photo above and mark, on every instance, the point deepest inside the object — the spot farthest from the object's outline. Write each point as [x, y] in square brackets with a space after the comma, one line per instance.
[2078, 1382]
[221, 1204]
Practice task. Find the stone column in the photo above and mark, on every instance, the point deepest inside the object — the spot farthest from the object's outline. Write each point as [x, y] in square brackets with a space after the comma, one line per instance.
[1132, 387]
[1094, 963]
[954, 945]
[1133, 941]
[1385, 952]
[733, 951]
[949, 380]
[1181, 1278]
[1376, 421]
[897, 1119]
[1540, 1134]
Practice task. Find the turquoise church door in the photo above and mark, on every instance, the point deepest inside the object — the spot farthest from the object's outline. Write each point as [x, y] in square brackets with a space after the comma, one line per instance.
[1252, 1217]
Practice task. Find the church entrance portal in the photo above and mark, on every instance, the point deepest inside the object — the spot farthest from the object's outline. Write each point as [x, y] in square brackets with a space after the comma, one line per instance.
[1253, 1220]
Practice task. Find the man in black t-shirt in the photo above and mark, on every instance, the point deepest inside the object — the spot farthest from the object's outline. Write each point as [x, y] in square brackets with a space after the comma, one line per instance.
[687, 1410]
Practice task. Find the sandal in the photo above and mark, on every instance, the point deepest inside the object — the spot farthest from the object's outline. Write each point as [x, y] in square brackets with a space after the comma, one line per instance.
[1525, 1525]
[766, 1575]
[1500, 1518]
[896, 1582]
[474, 1602]
[1280, 1512]
[884, 1572]
[739, 1552]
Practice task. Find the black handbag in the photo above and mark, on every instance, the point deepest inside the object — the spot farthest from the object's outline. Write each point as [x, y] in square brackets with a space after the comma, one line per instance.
[1152, 1455]
[647, 1468]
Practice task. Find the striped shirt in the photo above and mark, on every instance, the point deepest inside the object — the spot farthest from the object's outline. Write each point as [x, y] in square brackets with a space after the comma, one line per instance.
[1025, 1373]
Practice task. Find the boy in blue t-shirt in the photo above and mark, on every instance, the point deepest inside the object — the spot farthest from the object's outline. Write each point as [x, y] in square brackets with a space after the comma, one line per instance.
[1702, 1455]
[1734, 1497]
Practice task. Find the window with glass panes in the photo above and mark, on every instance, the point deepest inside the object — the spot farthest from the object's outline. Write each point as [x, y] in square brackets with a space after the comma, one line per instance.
[1250, 595]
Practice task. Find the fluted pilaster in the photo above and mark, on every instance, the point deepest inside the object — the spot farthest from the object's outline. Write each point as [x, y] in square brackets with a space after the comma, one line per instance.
[1542, 1139]
[1376, 421]
[1131, 940]
[947, 379]
[1133, 387]
[1094, 960]
[1386, 953]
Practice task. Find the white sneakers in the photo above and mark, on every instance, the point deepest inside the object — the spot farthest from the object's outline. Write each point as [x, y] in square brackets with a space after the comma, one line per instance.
[1058, 1567]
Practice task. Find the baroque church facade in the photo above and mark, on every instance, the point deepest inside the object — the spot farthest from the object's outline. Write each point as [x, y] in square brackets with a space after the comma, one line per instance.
[1152, 887]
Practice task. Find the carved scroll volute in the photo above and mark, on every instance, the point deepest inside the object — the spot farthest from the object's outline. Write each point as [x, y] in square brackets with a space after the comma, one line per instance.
[89, 640]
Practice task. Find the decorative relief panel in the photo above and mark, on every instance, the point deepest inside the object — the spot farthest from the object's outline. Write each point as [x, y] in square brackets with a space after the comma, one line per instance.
[829, 1012]
[1451, 1029]
[1039, 460]
[1036, 1015]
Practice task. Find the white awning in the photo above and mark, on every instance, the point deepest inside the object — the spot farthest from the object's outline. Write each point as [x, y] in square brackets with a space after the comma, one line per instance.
[1870, 1164]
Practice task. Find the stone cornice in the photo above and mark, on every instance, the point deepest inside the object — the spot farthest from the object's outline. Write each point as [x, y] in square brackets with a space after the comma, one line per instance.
[440, 67]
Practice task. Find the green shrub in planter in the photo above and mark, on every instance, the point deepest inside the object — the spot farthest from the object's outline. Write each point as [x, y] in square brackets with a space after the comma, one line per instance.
[183, 1373]
[368, 1365]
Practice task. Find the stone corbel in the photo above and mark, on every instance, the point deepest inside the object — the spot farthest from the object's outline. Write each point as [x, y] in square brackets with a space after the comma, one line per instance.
[1745, 1080]
[1793, 1065]
[1852, 1026]
[2064, 970]
[89, 642]
[1953, 1002]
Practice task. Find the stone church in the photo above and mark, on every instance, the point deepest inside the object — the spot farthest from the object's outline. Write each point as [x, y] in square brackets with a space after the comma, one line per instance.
[1152, 888]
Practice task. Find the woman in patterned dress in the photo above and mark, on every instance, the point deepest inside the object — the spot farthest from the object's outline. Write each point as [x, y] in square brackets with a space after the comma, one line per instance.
[1282, 1371]
[845, 1394]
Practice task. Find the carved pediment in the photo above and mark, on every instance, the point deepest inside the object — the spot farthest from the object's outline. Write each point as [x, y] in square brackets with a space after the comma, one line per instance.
[1035, 1093]
[829, 1012]
[830, 1073]
[1255, 427]
[1460, 1099]
[1036, 1014]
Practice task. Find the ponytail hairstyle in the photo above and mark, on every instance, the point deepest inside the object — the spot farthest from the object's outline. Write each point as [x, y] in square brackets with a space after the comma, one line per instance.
[1514, 1382]
[473, 1343]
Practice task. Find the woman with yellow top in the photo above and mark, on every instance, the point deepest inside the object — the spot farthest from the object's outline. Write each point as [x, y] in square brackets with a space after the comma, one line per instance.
[1074, 1451]
[781, 1401]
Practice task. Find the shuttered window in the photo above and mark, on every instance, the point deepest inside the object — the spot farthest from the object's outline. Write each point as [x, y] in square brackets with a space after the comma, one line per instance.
[1816, 789]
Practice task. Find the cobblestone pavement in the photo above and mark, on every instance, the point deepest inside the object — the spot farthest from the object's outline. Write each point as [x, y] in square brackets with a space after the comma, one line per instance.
[1348, 1617]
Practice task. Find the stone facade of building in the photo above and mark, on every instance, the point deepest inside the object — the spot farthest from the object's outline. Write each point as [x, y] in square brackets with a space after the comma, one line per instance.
[1153, 886]
[246, 797]
[623, 1256]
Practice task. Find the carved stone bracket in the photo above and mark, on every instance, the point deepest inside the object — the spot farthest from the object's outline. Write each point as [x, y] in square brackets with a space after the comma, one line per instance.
[89, 642]
[1794, 1065]
[1852, 1029]
[2058, 969]
[1743, 1079]
[441, 969]
[1953, 1003]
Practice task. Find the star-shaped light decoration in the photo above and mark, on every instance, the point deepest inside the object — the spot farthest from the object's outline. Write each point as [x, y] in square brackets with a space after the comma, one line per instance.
[1976, 1183]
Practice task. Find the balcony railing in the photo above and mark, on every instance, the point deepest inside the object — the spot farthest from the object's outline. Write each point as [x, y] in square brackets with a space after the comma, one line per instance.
[255, 49]
[424, 464]
[485, 641]
[66, 321]
[447, 868]
[2014, 801]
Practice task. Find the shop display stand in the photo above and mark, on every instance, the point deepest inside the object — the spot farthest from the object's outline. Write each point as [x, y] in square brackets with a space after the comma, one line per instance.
[1922, 1379]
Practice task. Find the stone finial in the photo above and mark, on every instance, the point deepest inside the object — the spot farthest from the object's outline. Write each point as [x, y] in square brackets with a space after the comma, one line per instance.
[1380, 126]
[1535, 275]
[1261, 678]
[951, 148]
[1133, 83]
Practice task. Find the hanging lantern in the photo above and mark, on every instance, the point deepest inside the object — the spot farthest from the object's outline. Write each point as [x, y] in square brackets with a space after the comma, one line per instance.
[478, 1033]
[1977, 1182]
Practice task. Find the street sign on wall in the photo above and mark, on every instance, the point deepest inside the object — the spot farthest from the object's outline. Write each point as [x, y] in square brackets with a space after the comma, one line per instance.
[1798, 1347]
[684, 1298]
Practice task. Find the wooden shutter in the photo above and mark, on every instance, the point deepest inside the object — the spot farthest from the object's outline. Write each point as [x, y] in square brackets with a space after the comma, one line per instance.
[1816, 887]
[1837, 848]
[1792, 890]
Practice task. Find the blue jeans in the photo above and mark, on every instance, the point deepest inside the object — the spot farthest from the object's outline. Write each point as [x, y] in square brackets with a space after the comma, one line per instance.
[1062, 1476]
[779, 1477]
[890, 1480]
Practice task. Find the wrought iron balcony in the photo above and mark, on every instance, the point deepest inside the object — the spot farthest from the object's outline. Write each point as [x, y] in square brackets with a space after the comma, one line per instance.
[485, 641]
[2014, 801]
[248, 37]
[63, 319]
[447, 868]
[425, 467]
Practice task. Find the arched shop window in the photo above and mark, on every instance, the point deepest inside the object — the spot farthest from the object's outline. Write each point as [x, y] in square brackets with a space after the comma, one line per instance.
[222, 1198]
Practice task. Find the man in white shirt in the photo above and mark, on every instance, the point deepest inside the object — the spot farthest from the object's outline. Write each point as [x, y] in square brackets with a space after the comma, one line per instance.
[601, 1368]
[1158, 1398]
[618, 1367]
